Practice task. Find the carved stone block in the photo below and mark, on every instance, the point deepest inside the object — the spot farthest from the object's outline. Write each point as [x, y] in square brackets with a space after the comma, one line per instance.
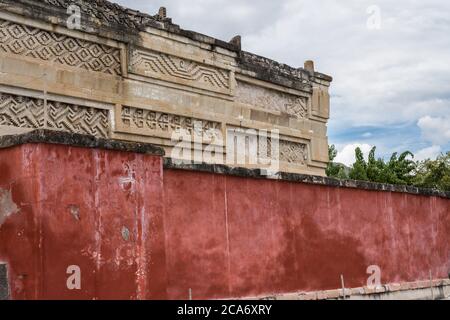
[321, 103]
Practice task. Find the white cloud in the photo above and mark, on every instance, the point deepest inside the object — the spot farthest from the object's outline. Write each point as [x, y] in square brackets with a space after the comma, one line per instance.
[428, 153]
[435, 130]
[379, 75]
[347, 154]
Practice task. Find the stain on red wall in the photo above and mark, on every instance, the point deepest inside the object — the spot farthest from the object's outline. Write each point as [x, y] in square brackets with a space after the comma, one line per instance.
[140, 232]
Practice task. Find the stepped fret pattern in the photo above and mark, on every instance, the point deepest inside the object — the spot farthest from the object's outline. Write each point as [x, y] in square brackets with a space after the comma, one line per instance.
[154, 64]
[27, 112]
[22, 112]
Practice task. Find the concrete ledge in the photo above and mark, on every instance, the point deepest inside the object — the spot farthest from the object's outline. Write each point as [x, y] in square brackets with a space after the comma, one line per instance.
[77, 140]
[4, 285]
[420, 290]
[302, 178]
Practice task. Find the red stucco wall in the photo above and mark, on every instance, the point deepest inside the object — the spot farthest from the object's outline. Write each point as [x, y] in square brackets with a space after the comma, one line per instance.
[140, 232]
[108, 191]
[230, 236]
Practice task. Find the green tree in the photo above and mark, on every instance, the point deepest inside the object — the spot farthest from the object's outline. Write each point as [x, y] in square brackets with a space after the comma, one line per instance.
[401, 169]
[398, 170]
[332, 169]
[335, 170]
[332, 152]
[359, 169]
[434, 173]
[375, 167]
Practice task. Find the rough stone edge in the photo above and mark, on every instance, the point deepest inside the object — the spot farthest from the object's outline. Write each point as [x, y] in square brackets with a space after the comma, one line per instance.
[78, 140]
[362, 291]
[4, 284]
[302, 178]
[282, 74]
[133, 21]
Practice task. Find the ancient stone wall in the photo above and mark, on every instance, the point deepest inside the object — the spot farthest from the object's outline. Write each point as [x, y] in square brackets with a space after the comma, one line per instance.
[127, 75]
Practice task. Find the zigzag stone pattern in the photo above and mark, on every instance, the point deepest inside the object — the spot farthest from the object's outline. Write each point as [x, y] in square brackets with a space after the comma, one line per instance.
[52, 47]
[149, 122]
[293, 152]
[272, 100]
[27, 112]
[154, 64]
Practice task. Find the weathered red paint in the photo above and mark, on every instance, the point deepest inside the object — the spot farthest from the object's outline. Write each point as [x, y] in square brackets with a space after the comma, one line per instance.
[140, 232]
[74, 205]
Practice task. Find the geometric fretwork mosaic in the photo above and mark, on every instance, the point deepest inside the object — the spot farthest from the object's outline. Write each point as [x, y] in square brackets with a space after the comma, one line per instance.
[148, 122]
[27, 112]
[293, 152]
[49, 46]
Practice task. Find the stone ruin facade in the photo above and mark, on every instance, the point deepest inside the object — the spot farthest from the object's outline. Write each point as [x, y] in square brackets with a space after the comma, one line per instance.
[125, 75]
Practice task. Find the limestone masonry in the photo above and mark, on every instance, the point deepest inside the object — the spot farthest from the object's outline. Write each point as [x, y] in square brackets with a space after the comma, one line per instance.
[131, 76]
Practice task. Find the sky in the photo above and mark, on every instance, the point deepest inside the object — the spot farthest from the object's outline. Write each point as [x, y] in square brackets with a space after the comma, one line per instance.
[390, 61]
